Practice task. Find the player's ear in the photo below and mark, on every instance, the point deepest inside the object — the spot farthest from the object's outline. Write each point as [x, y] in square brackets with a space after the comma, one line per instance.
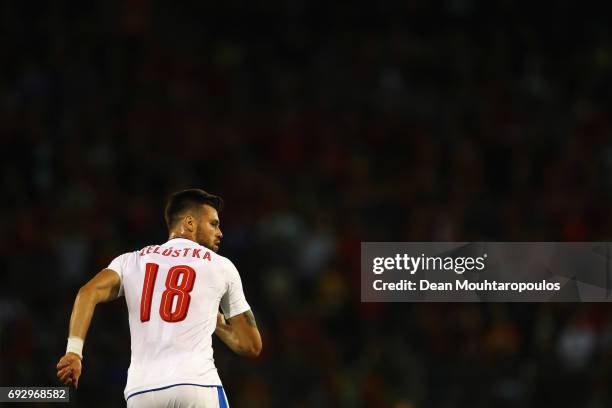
[189, 223]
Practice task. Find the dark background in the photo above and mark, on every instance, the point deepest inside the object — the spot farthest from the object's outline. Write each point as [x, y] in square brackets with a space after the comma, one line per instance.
[322, 124]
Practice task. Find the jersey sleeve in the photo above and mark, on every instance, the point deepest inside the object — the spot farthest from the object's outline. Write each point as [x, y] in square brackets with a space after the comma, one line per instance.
[233, 301]
[118, 265]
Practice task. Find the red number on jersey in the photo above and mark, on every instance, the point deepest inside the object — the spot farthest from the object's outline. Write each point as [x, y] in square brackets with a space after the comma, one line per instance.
[181, 292]
[173, 290]
[147, 291]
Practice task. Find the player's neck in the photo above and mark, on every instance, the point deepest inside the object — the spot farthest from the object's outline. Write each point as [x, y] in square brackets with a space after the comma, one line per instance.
[179, 235]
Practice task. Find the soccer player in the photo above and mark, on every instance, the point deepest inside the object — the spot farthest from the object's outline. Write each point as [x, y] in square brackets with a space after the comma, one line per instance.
[173, 293]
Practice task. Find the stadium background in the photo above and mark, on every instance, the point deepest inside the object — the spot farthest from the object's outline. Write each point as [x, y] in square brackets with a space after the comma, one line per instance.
[322, 124]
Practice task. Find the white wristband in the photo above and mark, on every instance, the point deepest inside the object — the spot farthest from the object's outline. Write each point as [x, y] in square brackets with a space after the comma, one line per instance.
[75, 345]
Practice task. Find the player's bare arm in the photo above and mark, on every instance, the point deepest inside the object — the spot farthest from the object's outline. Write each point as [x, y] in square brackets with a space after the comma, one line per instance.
[103, 287]
[240, 334]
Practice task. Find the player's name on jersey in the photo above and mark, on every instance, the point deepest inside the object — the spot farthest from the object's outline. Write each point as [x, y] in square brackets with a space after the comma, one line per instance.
[200, 253]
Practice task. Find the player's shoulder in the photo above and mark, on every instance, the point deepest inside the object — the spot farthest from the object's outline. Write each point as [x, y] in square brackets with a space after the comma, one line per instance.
[218, 258]
[126, 255]
[131, 257]
[121, 263]
[224, 262]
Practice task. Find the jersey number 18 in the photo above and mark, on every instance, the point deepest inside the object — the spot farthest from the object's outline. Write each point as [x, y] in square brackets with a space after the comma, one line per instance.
[173, 290]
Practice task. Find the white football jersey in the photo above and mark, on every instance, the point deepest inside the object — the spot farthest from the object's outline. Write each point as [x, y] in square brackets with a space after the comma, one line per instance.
[173, 292]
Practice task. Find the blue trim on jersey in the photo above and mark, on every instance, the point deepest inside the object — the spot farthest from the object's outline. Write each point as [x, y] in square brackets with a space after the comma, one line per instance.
[222, 401]
[218, 387]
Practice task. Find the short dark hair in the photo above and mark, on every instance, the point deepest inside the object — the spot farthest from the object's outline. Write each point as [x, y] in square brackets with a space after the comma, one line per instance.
[184, 200]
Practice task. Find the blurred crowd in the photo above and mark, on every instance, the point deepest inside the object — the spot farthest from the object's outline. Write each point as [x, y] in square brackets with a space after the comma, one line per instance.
[322, 124]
